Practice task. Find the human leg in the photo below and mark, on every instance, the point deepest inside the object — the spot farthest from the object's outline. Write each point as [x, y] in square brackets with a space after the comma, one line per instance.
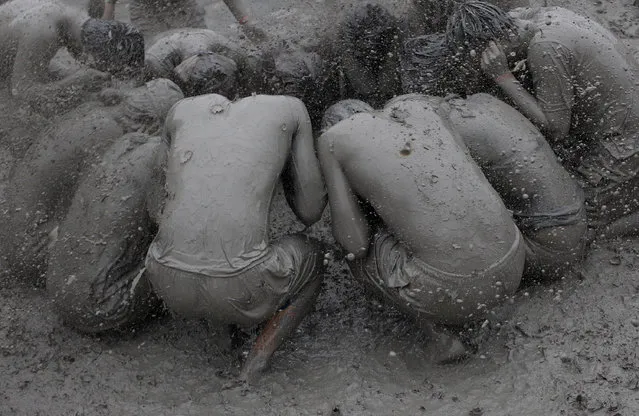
[95, 274]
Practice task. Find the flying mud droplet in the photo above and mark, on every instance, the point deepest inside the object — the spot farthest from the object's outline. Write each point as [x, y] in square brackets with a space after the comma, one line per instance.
[186, 156]
[350, 257]
[406, 150]
[217, 108]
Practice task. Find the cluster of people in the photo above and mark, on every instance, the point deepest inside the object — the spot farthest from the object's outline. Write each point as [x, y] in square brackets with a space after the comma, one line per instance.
[456, 163]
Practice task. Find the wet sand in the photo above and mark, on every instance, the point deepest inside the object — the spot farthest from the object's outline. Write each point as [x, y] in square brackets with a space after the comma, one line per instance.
[569, 348]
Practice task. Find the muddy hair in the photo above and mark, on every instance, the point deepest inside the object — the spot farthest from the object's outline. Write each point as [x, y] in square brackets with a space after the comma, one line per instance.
[207, 73]
[370, 33]
[343, 110]
[474, 23]
[115, 46]
[145, 108]
[428, 66]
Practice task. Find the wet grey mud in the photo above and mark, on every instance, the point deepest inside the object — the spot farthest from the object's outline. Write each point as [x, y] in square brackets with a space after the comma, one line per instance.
[567, 348]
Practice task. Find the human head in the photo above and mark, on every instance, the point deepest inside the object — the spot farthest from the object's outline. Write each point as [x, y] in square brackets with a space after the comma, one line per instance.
[369, 38]
[427, 66]
[207, 73]
[145, 108]
[112, 46]
[474, 23]
[343, 110]
[295, 73]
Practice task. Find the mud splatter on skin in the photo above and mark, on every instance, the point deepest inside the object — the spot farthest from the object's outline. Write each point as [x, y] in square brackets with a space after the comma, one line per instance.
[571, 355]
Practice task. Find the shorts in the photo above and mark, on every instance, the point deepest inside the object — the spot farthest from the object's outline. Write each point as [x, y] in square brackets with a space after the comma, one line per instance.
[610, 185]
[249, 297]
[554, 242]
[155, 16]
[432, 294]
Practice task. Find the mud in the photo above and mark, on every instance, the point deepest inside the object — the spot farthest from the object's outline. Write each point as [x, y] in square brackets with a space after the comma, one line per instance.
[569, 348]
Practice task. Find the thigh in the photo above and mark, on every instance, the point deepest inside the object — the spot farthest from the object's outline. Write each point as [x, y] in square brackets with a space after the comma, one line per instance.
[95, 268]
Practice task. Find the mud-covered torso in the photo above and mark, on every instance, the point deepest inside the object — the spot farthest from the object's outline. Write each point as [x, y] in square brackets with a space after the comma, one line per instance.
[602, 73]
[224, 162]
[420, 180]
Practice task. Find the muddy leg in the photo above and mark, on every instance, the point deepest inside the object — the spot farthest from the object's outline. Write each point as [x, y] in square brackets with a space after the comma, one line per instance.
[95, 273]
[277, 329]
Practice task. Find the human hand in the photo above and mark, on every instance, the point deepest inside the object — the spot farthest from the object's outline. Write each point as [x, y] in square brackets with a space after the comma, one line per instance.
[493, 61]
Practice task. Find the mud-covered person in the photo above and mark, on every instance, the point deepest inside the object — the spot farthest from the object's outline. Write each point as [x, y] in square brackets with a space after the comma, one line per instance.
[421, 225]
[211, 257]
[32, 32]
[174, 55]
[547, 203]
[584, 98]
[43, 184]
[364, 54]
[156, 16]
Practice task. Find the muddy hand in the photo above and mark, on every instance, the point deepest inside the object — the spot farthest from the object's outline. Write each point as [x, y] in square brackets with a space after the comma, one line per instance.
[493, 61]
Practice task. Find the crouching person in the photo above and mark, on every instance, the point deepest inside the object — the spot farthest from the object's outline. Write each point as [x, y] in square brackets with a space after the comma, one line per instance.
[421, 224]
[211, 257]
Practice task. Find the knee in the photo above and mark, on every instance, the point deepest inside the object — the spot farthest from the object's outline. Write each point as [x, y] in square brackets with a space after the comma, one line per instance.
[93, 310]
[306, 252]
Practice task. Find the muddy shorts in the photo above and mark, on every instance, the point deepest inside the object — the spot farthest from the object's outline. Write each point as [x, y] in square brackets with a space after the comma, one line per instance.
[610, 184]
[554, 242]
[248, 297]
[429, 293]
[155, 16]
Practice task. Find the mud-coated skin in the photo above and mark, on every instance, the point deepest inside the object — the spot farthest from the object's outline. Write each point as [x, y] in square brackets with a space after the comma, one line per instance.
[173, 47]
[547, 203]
[31, 32]
[430, 195]
[225, 160]
[95, 275]
[43, 184]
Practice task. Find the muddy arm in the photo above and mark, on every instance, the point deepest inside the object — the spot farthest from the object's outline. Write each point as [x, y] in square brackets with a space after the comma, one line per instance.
[35, 51]
[350, 227]
[302, 177]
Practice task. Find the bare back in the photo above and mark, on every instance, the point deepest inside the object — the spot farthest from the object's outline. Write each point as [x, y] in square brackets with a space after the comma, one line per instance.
[17, 19]
[225, 159]
[421, 182]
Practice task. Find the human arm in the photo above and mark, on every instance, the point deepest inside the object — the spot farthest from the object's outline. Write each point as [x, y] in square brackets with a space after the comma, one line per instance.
[36, 48]
[302, 176]
[241, 13]
[350, 226]
[550, 110]
[109, 9]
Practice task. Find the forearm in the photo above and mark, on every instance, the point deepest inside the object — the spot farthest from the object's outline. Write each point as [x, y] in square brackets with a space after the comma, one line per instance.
[525, 103]
[239, 10]
[109, 10]
[350, 228]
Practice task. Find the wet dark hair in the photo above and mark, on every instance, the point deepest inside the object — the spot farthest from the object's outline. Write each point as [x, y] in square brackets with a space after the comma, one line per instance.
[474, 23]
[115, 46]
[370, 32]
[342, 110]
[427, 65]
[207, 73]
[295, 73]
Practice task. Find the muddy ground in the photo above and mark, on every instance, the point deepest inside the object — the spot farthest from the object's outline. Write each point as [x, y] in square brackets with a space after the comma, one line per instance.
[570, 348]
